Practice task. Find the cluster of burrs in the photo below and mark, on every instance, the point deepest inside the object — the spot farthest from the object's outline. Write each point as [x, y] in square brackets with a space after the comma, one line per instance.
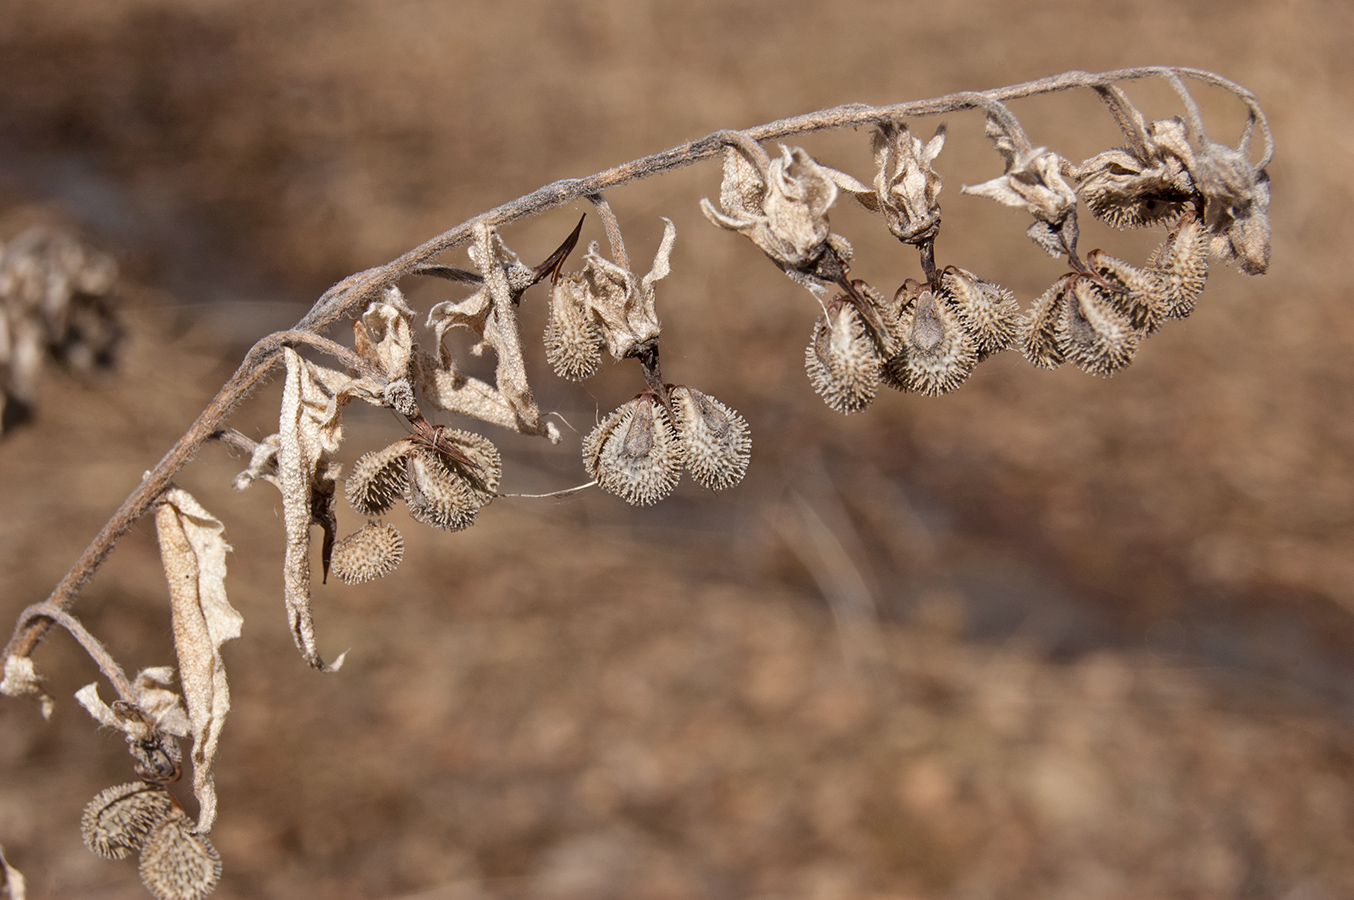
[177, 861]
[638, 451]
[445, 475]
[931, 333]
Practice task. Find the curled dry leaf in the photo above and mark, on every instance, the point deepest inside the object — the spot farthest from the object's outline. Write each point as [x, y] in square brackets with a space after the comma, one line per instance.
[22, 680]
[491, 313]
[193, 551]
[308, 433]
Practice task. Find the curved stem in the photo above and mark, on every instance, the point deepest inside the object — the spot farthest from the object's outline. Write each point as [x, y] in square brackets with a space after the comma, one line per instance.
[349, 296]
[27, 634]
[93, 646]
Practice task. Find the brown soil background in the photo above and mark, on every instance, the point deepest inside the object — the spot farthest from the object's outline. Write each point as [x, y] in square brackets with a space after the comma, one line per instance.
[1110, 653]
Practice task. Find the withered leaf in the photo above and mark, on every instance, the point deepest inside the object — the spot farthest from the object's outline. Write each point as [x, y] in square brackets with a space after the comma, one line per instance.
[193, 551]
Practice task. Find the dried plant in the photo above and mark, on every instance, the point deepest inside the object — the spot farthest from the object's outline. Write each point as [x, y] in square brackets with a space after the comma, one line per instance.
[927, 336]
[55, 303]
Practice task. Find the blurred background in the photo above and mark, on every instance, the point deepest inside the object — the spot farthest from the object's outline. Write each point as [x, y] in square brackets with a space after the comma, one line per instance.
[1050, 636]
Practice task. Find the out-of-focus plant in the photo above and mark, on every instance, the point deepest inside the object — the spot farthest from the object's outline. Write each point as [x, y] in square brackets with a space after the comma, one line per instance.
[55, 304]
[926, 336]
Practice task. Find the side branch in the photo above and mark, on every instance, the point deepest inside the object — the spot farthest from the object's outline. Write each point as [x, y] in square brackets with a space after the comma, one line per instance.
[261, 357]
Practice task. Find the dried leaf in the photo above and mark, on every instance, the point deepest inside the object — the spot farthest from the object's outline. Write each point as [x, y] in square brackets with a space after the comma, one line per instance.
[22, 680]
[308, 432]
[388, 322]
[193, 551]
[491, 312]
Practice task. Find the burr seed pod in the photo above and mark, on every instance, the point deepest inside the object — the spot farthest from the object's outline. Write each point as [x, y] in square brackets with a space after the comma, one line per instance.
[1038, 331]
[435, 495]
[842, 360]
[1093, 333]
[634, 453]
[482, 477]
[573, 338]
[177, 863]
[714, 438]
[988, 312]
[1182, 263]
[937, 353]
[445, 493]
[1142, 294]
[378, 479]
[371, 552]
[118, 821]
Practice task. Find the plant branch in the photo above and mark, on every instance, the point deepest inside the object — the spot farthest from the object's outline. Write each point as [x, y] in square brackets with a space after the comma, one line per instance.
[349, 296]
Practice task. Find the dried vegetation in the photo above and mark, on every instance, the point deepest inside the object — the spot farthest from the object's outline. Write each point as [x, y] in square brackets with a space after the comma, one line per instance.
[927, 338]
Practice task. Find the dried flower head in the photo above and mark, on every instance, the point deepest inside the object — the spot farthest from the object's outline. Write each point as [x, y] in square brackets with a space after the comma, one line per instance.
[988, 312]
[117, 822]
[177, 863]
[1035, 180]
[491, 313]
[843, 359]
[937, 353]
[906, 184]
[623, 302]
[780, 205]
[1092, 331]
[1134, 189]
[716, 445]
[371, 552]
[1037, 334]
[635, 453]
[573, 337]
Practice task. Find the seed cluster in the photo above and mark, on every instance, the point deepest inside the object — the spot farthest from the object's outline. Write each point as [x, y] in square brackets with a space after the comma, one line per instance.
[933, 332]
[639, 450]
[177, 863]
